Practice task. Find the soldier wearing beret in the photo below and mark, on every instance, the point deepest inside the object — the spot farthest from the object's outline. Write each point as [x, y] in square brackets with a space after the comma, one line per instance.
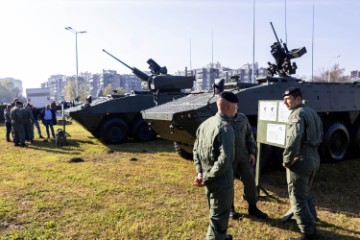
[214, 152]
[245, 152]
[301, 160]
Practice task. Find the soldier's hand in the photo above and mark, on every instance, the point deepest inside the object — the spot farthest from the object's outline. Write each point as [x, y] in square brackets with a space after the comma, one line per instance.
[198, 181]
[295, 160]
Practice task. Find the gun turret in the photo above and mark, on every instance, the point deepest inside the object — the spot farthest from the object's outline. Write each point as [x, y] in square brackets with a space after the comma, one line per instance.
[155, 68]
[143, 76]
[159, 80]
[283, 56]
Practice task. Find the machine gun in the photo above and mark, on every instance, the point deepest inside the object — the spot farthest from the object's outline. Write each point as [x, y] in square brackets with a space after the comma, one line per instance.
[159, 80]
[283, 56]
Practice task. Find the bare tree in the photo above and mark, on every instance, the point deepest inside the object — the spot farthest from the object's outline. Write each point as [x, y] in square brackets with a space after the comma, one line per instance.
[70, 92]
[8, 91]
[120, 90]
[107, 90]
[334, 74]
[83, 91]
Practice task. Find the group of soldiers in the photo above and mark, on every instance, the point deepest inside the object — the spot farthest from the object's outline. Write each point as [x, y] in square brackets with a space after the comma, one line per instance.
[20, 120]
[225, 148]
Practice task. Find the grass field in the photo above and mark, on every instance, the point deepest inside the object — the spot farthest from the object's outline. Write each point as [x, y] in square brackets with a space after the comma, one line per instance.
[144, 191]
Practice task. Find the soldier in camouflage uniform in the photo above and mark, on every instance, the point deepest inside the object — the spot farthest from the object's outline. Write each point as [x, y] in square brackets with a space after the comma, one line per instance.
[17, 125]
[245, 151]
[301, 160]
[213, 157]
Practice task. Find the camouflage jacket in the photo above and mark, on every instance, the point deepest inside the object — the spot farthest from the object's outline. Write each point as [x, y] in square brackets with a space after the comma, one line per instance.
[304, 129]
[214, 150]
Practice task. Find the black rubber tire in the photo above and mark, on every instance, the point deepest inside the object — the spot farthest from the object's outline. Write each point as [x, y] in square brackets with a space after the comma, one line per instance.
[141, 131]
[335, 143]
[114, 131]
[182, 153]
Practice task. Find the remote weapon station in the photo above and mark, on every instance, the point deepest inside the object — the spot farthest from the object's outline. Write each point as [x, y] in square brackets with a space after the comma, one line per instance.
[336, 103]
[114, 118]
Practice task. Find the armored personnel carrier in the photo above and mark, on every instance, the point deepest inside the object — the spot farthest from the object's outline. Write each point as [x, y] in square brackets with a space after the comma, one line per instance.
[114, 118]
[336, 103]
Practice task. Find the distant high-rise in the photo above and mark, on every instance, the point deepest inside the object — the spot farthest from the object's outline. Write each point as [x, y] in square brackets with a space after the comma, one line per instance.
[355, 75]
[205, 77]
[56, 85]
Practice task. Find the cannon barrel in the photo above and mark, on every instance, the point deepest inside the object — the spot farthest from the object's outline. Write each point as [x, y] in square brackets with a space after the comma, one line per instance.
[143, 76]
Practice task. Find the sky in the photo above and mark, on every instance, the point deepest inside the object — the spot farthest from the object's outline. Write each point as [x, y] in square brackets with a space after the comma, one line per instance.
[35, 45]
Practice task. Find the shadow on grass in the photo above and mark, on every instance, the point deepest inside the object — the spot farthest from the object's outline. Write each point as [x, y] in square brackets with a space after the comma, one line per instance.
[335, 186]
[154, 146]
[321, 233]
[70, 148]
[336, 190]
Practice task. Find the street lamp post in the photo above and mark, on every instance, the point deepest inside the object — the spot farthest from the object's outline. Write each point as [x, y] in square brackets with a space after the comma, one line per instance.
[76, 52]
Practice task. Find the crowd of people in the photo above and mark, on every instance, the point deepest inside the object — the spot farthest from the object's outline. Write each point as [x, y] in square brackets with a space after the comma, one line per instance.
[225, 148]
[20, 120]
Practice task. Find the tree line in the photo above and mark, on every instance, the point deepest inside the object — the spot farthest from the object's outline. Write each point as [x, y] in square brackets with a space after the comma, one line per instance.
[8, 91]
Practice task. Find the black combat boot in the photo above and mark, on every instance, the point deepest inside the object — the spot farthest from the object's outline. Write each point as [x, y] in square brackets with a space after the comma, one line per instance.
[233, 214]
[255, 212]
[304, 237]
[228, 237]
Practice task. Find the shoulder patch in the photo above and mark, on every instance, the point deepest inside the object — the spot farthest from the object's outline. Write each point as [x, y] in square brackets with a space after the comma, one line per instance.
[295, 120]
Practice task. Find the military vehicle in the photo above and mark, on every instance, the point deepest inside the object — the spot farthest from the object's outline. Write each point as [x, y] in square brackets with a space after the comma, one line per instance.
[114, 118]
[336, 103]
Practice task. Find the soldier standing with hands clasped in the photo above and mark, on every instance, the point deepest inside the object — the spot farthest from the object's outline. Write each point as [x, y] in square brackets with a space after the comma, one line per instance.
[213, 157]
[301, 160]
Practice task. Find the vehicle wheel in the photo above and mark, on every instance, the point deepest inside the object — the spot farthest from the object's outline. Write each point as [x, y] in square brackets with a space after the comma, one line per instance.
[182, 152]
[336, 142]
[114, 131]
[141, 131]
